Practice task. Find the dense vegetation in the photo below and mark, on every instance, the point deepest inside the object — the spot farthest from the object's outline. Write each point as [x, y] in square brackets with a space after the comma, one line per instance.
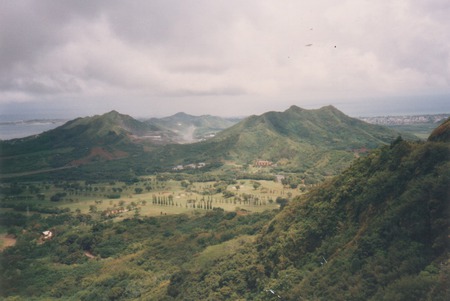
[132, 259]
[378, 231]
[301, 138]
[317, 143]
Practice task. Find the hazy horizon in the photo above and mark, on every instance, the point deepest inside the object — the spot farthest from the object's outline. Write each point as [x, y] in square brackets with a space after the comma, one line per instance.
[390, 107]
[11, 128]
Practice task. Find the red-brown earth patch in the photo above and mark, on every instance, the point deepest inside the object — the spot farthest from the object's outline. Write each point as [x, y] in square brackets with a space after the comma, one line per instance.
[99, 154]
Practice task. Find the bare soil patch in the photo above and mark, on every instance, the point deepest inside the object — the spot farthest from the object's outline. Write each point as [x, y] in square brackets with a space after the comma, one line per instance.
[6, 241]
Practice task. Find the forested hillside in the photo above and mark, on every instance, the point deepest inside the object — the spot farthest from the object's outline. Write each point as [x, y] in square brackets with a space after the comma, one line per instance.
[323, 140]
[100, 138]
[378, 231]
[315, 144]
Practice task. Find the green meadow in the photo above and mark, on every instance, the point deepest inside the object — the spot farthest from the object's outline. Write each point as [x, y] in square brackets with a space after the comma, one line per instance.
[146, 196]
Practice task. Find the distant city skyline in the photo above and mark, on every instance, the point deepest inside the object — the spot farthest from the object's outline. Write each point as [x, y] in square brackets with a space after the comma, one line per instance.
[70, 58]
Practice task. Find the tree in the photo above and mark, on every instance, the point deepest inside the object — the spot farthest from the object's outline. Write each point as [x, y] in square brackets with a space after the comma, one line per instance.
[58, 196]
[282, 202]
[184, 184]
[256, 185]
[92, 208]
[136, 212]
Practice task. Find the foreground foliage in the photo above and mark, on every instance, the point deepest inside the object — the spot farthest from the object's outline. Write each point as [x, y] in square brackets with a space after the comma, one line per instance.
[132, 259]
[377, 232]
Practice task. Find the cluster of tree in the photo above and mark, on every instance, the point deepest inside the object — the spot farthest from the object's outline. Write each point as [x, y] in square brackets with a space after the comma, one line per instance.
[58, 196]
[33, 207]
[163, 200]
[13, 189]
[144, 258]
[10, 190]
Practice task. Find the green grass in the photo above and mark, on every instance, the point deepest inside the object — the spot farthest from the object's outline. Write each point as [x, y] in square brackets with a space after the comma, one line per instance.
[84, 198]
[213, 253]
[267, 190]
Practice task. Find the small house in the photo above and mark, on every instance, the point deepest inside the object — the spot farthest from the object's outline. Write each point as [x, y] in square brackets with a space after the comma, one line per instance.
[47, 235]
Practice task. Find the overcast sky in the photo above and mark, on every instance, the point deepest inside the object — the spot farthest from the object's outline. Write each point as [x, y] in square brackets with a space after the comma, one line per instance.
[228, 58]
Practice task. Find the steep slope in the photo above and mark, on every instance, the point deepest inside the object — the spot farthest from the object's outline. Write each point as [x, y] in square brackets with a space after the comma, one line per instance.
[193, 128]
[379, 231]
[314, 143]
[381, 228]
[82, 140]
[317, 143]
[301, 139]
[325, 126]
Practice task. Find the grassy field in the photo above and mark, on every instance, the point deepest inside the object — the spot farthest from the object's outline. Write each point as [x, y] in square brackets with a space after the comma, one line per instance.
[215, 252]
[266, 195]
[152, 197]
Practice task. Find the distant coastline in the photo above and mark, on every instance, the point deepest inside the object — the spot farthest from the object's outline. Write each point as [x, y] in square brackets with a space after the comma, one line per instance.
[21, 128]
[406, 119]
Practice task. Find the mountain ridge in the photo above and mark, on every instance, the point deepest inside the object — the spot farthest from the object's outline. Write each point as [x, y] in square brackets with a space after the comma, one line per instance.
[298, 134]
[321, 141]
[105, 137]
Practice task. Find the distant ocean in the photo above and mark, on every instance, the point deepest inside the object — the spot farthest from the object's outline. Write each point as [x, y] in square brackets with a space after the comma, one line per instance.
[34, 120]
[25, 128]
[396, 106]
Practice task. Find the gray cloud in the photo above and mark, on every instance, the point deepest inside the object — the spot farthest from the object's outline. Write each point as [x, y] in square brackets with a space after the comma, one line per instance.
[251, 53]
[223, 91]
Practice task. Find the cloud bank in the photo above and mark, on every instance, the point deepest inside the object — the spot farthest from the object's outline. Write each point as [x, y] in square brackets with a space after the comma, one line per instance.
[220, 57]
